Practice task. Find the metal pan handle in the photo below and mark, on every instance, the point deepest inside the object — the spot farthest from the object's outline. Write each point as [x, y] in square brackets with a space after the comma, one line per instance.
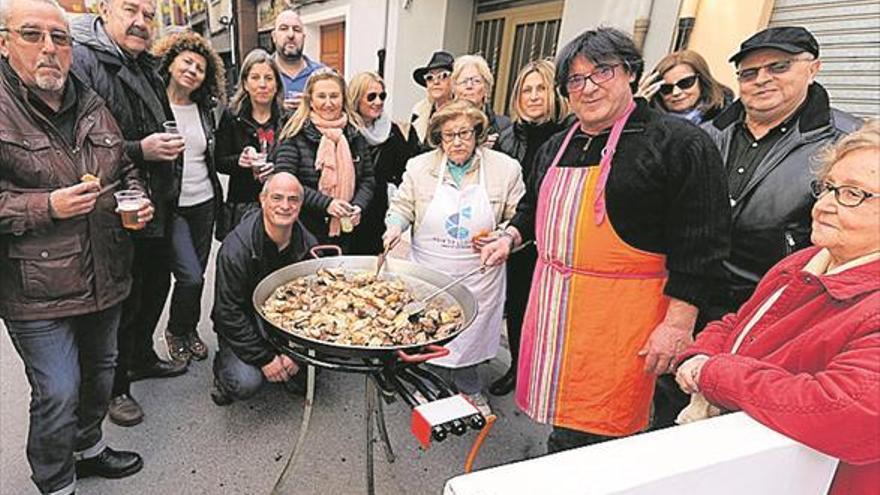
[436, 352]
[325, 247]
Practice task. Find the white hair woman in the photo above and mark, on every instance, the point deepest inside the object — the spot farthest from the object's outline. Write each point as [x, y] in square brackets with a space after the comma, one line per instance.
[802, 355]
[473, 81]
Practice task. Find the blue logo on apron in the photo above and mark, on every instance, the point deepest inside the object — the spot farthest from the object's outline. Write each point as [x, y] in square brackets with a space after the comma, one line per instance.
[454, 227]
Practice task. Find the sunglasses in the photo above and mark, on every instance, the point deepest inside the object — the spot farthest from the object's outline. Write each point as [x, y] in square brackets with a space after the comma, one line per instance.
[683, 83]
[34, 35]
[437, 76]
[372, 96]
[774, 68]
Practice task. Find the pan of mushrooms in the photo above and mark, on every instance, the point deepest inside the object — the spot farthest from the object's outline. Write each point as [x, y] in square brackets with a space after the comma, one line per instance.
[338, 306]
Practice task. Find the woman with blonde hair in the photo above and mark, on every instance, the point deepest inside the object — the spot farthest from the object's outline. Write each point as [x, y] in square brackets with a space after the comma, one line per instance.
[473, 81]
[388, 149]
[456, 199]
[538, 112]
[682, 85]
[323, 148]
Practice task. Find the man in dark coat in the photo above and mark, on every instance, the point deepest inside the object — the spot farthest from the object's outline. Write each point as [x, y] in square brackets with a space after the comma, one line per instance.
[264, 241]
[110, 55]
[767, 139]
[66, 261]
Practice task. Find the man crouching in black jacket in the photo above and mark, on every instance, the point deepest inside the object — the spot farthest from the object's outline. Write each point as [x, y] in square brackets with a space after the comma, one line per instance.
[263, 242]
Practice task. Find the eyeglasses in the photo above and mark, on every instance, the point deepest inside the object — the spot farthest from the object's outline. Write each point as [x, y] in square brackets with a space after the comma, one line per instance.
[34, 35]
[683, 83]
[463, 134]
[437, 76]
[849, 196]
[603, 74]
[774, 68]
[471, 81]
[372, 96]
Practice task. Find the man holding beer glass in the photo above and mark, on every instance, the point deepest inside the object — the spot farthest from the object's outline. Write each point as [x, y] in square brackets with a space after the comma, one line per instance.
[66, 264]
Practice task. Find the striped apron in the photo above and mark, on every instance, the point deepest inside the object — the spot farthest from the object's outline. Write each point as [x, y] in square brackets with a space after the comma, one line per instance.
[593, 304]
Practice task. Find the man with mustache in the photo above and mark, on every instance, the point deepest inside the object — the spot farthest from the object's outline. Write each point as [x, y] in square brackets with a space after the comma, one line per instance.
[65, 268]
[767, 139]
[110, 55]
[289, 36]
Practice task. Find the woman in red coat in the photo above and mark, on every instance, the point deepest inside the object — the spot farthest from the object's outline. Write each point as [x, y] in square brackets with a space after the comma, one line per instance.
[802, 356]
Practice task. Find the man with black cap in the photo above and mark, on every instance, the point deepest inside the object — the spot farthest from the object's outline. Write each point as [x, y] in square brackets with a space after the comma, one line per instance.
[767, 138]
[435, 78]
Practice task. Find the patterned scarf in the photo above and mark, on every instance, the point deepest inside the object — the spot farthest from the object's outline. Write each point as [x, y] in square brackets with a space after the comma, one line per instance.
[334, 161]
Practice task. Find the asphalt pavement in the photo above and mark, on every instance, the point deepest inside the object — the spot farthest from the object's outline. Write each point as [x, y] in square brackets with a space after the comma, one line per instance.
[191, 446]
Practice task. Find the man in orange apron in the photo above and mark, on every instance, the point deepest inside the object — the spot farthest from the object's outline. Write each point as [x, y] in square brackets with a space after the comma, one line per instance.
[630, 219]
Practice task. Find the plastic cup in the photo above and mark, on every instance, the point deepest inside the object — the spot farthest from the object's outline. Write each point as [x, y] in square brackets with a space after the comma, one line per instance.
[128, 203]
[346, 224]
[170, 127]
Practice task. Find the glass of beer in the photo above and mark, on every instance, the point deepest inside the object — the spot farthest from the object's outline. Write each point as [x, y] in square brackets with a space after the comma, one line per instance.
[128, 203]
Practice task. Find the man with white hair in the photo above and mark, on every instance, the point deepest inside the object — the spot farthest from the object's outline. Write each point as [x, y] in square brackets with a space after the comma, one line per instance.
[263, 242]
[65, 268]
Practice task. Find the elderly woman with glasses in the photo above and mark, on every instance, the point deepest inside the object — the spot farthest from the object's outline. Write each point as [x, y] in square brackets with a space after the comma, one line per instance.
[473, 82]
[629, 209]
[802, 355]
[456, 199]
[682, 85]
[388, 150]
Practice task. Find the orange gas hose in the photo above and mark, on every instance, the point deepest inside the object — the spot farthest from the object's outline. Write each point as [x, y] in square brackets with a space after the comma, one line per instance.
[478, 442]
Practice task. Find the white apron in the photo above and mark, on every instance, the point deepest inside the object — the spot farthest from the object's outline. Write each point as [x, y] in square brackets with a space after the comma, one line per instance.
[443, 242]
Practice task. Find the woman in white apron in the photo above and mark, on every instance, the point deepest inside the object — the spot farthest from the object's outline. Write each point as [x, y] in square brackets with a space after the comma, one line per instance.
[456, 199]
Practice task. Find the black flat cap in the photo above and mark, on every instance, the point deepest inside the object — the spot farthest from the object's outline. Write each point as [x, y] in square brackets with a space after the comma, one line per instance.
[791, 39]
[439, 60]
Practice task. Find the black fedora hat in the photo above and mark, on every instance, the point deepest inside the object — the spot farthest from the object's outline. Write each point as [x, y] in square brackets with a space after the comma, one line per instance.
[791, 39]
[439, 60]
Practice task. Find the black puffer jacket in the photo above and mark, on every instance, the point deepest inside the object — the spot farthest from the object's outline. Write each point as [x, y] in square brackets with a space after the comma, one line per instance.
[497, 122]
[771, 218]
[135, 94]
[522, 140]
[389, 159]
[296, 155]
[246, 256]
[236, 132]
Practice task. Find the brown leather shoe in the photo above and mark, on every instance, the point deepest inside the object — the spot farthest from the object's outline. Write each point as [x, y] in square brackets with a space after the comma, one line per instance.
[178, 347]
[196, 346]
[125, 411]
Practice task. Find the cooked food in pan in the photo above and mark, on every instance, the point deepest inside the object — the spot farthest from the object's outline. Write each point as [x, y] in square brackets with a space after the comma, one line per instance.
[357, 309]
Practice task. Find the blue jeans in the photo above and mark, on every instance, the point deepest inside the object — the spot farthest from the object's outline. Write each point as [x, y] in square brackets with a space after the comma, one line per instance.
[191, 229]
[69, 364]
[236, 378]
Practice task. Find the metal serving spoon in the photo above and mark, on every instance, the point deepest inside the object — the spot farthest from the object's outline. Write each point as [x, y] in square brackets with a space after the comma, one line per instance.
[414, 308]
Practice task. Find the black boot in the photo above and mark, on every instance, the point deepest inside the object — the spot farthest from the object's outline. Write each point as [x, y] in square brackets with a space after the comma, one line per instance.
[505, 384]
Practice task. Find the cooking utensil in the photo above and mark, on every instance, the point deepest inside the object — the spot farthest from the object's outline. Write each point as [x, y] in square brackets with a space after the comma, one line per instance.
[384, 254]
[415, 308]
[420, 279]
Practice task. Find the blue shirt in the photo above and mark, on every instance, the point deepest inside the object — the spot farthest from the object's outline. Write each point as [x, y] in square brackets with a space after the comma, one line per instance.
[298, 82]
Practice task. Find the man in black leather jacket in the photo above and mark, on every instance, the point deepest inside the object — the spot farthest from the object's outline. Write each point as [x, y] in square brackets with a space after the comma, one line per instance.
[264, 241]
[110, 55]
[768, 139]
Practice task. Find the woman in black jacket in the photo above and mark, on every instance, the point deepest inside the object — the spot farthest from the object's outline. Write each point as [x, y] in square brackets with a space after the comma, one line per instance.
[537, 111]
[195, 83]
[388, 149]
[322, 147]
[248, 128]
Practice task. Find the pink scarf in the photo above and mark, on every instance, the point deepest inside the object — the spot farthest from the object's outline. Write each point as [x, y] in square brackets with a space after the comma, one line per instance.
[334, 161]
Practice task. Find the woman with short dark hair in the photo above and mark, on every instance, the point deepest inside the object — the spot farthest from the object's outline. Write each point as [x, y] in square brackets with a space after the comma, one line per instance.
[195, 85]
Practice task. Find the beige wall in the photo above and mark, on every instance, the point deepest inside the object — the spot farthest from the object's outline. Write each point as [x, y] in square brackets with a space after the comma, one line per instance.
[721, 25]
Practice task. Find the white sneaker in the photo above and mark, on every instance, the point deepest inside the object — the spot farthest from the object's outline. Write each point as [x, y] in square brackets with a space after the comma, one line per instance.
[480, 402]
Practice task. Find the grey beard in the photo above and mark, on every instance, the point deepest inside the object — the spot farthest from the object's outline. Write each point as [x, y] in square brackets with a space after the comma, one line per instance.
[291, 57]
[50, 84]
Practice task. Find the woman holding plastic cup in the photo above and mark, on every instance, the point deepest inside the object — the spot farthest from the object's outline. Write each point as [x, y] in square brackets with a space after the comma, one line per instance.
[194, 76]
[249, 126]
[323, 148]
